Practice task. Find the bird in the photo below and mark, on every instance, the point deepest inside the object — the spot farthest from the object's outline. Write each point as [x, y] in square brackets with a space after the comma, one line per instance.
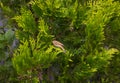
[58, 44]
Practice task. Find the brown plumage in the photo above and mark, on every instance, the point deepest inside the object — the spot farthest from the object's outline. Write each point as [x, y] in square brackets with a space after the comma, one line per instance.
[58, 44]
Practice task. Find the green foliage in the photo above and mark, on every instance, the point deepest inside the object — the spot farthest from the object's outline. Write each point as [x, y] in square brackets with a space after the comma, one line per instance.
[34, 53]
[8, 9]
[6, 69]
[87, 30]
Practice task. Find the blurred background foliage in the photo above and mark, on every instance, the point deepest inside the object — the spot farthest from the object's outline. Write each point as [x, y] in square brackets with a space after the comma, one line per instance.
[89, 30]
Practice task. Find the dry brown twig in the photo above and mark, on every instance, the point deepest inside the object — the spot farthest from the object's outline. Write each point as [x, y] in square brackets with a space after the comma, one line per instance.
[58, 44]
